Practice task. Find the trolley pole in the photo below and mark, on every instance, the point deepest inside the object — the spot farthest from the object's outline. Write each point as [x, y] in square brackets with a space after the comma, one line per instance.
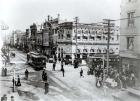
[108, 21]
[76, 25]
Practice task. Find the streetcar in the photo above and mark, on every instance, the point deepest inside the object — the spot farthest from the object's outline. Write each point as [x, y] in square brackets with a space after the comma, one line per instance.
[36, 60]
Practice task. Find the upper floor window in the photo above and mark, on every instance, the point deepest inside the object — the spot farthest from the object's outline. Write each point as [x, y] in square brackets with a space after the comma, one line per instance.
[78, 37]
[85, 37]
[131, 18]
[62, 36]
[68, 36]
[130, 43]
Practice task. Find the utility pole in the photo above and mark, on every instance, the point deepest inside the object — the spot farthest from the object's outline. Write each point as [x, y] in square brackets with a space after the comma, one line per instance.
[108, 22]
[76, 25]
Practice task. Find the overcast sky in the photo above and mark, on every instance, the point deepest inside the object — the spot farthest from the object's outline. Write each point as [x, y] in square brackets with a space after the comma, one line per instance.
[20, 14]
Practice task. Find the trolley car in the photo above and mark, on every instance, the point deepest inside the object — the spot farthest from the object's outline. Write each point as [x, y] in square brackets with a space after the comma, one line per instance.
[36, 60]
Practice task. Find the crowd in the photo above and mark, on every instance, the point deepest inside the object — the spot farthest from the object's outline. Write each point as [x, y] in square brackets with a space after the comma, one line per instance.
[4, 98]
[120, 78]
[4, 71]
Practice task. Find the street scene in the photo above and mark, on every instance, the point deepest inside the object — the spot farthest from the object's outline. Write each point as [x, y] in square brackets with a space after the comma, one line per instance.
[67, 56]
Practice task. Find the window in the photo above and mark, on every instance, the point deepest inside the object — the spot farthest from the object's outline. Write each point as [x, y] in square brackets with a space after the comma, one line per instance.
[58, 36]
[130, 43]
[91, 50]
[130, 19]
[92, 37]
[85, 37]
[98, 50]
[99, 37]
[68, 36]
[62, 36]
[79, 37]
[85, 50]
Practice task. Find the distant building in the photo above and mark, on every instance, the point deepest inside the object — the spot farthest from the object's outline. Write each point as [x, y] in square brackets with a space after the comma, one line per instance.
[130, 36]
[91, 39]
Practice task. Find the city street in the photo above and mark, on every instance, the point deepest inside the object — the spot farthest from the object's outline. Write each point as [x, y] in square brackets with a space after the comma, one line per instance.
[68, 88]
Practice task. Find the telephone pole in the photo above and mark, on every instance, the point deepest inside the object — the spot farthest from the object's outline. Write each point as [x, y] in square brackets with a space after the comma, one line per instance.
[76, 25]
[108, 23]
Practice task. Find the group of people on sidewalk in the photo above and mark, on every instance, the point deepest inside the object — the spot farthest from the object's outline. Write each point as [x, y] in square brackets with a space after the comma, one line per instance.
[4, 98]
[120, 79]
[4, 71]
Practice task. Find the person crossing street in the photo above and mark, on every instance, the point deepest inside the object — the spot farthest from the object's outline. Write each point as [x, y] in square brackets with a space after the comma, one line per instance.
[63, 71]
[81, 73]
[26, 74]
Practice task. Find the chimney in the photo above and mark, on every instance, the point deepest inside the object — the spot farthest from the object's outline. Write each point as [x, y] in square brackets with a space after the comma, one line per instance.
[58, 16]
[48, 17]
[51, 18]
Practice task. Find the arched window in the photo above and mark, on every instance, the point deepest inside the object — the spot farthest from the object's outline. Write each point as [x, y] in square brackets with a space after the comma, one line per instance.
[91, 50]
[98, 50]
[78, 50]
[85, 50]
[111, 50]
[105, 50]
[62, 36]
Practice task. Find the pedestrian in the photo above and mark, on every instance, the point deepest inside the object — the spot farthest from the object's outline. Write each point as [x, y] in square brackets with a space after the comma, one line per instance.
[81, 73]
[43, 73]
[26, 74]
[54, 64]
[59, 59]
[133, 80]
[75, 63]
[62, 65]
[45, 77]
[12, 98]
[14, 83]
[63, 71]
[55, 58]
[4, 97]
[124, 85]
[5, 72]
[46, 86]
[2, 71]
[18, 81]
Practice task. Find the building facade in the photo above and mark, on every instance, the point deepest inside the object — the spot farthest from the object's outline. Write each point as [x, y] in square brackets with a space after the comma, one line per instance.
[91, 39]
[130, 36]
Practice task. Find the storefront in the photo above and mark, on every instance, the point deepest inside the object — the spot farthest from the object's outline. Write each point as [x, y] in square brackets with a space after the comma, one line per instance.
[131, 64]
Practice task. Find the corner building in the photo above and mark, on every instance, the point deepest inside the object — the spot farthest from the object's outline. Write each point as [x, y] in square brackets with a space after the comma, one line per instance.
[91, 39]
[130, 36]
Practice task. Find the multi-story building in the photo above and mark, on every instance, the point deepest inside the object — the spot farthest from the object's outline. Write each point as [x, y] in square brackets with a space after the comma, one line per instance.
[50, 30]
[130, 36]
[14, 40]
[91, 39]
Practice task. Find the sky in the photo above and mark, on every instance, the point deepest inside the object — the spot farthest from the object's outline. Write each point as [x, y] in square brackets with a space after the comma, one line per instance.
[20, 14]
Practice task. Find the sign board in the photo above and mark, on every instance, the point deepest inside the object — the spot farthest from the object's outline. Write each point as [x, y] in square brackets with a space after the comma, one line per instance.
[45, 39]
